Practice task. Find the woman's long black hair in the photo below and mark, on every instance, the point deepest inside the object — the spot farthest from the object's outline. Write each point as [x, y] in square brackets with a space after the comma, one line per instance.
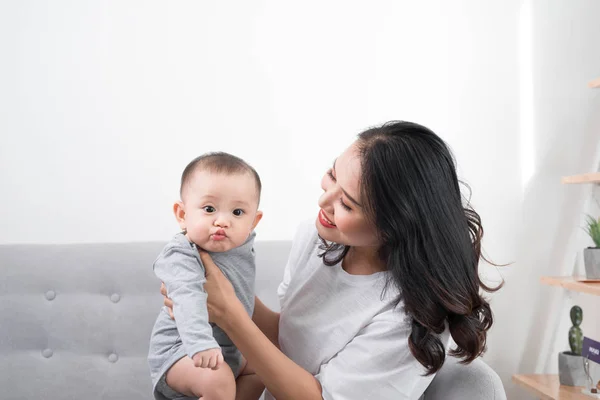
[431, 239]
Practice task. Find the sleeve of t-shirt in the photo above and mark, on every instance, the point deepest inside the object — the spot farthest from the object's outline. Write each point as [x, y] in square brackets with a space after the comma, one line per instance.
[184, 277]
[376, 364]
[305, 235]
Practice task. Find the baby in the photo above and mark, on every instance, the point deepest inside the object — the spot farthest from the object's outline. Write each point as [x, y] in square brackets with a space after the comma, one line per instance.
[218, 212]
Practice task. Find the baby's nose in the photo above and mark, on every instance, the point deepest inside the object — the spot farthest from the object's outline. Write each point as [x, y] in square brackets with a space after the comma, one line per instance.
[222, 221]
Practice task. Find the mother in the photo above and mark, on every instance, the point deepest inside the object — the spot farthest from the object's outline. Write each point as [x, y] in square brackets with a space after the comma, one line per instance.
[375, 286]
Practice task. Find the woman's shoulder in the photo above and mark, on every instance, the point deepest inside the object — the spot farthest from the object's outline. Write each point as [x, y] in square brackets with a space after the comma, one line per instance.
[306, 228]
[306, 235]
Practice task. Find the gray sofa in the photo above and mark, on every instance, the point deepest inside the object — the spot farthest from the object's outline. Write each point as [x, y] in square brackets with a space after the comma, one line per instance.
[75, 323]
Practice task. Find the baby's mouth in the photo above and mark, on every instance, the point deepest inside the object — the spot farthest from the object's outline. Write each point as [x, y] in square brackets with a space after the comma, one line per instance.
[220, 234]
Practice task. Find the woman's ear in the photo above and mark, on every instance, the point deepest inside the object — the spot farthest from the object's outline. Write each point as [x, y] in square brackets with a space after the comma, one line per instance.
[257, 218]
[179, 211]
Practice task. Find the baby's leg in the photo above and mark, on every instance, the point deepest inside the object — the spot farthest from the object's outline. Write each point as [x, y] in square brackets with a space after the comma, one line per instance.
[249, 386]
[205, 383]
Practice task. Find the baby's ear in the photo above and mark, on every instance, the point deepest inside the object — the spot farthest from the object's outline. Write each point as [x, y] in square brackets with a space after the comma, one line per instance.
[257, 218]
[179, 211]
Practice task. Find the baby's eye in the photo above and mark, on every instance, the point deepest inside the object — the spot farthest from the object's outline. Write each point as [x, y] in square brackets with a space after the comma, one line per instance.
[209, 209]
[238, 212]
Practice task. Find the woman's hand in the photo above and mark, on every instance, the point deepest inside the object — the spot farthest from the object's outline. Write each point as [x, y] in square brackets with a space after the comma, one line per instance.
[167, 301]
[221, 295]
[222, 301]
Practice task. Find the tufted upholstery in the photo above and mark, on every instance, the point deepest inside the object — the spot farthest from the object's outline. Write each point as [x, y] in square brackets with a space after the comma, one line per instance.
[76, 319]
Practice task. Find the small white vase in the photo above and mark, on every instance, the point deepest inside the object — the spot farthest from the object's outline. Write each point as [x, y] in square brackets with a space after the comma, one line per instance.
[570, 369]
[591, 258]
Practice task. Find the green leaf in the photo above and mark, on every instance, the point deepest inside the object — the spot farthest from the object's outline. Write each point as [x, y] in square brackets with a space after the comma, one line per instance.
[593, 229]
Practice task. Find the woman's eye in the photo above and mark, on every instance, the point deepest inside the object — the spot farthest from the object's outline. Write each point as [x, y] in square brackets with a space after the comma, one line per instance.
[344, 205]
[209, 209]
[238, 212]
[330, 173]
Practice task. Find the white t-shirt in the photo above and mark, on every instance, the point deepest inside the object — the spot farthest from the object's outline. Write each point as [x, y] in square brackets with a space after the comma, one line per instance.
[344, 330]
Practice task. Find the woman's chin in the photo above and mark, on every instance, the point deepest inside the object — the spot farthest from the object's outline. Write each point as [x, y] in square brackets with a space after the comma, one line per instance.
[326, 233]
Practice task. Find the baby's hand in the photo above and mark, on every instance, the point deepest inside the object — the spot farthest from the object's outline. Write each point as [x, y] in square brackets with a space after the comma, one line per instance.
[212, 358]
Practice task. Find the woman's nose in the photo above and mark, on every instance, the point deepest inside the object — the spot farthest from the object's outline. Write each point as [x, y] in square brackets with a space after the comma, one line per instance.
[327, 198]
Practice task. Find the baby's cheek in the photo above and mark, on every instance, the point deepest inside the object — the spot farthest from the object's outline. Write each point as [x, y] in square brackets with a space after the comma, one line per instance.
[237, 239]
[196, 237]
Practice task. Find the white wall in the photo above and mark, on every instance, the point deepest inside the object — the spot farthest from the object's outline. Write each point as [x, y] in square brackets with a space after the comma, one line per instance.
[104, 103]
[561, 137]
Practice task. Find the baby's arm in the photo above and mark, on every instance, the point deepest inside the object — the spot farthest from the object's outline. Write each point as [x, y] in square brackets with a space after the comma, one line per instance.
[180, 271]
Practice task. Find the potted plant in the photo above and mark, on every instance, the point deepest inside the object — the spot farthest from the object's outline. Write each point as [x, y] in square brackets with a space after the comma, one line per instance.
[591, 255]
[571, 370]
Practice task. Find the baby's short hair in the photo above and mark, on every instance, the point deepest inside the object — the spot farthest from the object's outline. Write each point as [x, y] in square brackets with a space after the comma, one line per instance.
[218, 162]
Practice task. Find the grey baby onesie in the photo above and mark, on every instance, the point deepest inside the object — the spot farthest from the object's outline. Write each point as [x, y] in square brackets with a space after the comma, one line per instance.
[180, 268]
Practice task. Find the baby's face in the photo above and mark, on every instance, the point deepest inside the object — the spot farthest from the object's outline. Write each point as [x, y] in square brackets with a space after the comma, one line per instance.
[220, 210]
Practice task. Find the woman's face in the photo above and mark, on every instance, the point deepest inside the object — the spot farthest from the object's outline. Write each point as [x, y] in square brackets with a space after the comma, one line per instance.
[342, 218]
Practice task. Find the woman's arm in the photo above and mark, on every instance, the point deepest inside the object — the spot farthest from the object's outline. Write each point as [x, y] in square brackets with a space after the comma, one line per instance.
[285, 379]
[267, 320]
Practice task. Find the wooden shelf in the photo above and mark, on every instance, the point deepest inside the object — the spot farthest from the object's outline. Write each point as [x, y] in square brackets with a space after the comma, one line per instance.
[548, 387]
[593, 177]
[571, 283]
[595, 83]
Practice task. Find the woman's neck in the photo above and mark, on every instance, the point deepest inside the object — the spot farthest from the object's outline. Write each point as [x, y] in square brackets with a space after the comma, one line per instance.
[363, 261]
